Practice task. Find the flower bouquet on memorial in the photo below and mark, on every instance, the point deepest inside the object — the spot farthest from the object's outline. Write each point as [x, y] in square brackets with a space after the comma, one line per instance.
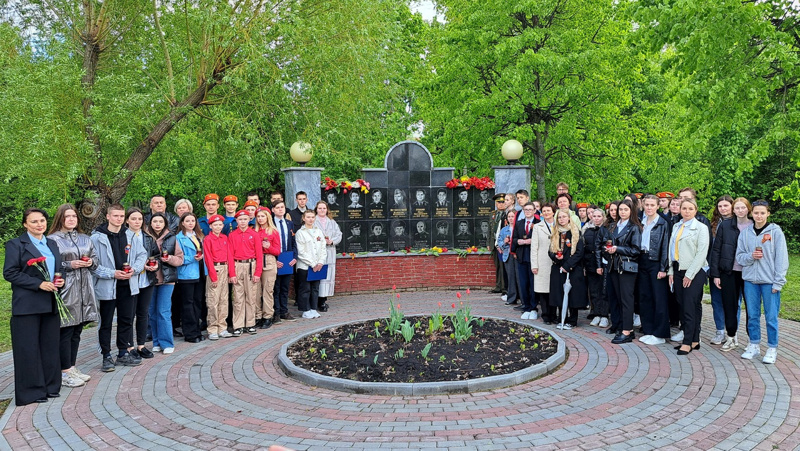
[345, 185]
[63, 312]
[480, 183]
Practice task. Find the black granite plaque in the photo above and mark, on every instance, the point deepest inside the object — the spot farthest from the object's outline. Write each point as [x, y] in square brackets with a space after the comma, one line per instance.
[443, 234]
[399, 205]
[462, 238]
[421, 233]
[340, 248]
[399, 238]
[354, 209]
[421, 206]
[331, 197]
[443, 204]
[484, 205]
[378, 240]
[484, 236]
[377, 207]
[356, 240]
[462, 207]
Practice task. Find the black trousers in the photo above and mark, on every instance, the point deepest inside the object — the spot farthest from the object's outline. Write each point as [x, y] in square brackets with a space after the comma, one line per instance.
[177, 307]
[124, 305]
[34, 346]
[653, 301]
[624, 285]
[595, 283]
[674, 308]
[499, 271]
[614, 306]
[308, 296]
[525, 278]
[191, 296]
[690, 299]
[142, 312]
[732, 287]
[281, 294]
[68, 343]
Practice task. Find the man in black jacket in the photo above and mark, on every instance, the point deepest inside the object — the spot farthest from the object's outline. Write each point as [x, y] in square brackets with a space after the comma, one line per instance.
[521, 247]
[158, 204]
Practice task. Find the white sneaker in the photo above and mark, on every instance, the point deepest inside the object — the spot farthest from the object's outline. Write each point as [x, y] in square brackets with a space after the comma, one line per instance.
[566, 326]
[653, 341]
[751, 351]
[677, 337]
[213, 336]
[645, 338]
[225, 334]
[637, 320]
[156, 348]
[504, 297]
[730, 344]
[595, 321]
[525, 315]
[68, 380]
[533, 315]
[719, 338]
[315, 313]
[603, 322]
[770, 356]
[308, 315]
[169, 350]
[75, 372]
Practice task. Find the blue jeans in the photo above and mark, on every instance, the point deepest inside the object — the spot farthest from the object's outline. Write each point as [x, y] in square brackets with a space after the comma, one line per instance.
[161, 316]
[716, 306]
[753, 295]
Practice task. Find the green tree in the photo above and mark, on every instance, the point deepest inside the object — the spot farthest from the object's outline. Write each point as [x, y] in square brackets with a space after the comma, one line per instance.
[553, 74]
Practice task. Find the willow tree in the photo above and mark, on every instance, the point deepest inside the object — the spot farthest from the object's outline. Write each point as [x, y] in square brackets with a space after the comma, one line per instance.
[553, 74]
[223, 88]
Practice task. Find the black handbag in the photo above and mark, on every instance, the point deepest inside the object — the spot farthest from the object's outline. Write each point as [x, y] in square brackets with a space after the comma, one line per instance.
[627, 265]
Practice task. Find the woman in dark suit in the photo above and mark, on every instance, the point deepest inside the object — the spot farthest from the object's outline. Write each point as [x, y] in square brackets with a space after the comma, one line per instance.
[35, 323]
[622, 257]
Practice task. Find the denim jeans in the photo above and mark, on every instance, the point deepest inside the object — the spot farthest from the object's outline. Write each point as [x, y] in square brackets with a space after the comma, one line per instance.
[161, 316]
[716, 306]
[754, 294]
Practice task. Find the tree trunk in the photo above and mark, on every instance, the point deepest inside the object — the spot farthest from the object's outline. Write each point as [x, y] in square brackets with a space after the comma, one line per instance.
[539, 163]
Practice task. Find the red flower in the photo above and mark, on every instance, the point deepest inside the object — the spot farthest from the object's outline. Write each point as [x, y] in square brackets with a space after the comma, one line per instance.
[344, 254]
[467, 290]
[440, 304]
[444, 249]
[465, 319]
[454, 305]
[394, 287]
[398, 306]
[398, 297]
[458, 295]
[34, 261]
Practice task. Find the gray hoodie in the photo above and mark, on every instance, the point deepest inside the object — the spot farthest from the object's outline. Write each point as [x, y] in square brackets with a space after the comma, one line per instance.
[772, 268]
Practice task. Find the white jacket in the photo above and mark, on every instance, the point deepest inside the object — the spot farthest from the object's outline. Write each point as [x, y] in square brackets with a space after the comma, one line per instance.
[311, 250]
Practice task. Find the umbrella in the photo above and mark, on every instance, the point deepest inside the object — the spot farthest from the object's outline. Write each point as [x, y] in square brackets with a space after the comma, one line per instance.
[565, 302]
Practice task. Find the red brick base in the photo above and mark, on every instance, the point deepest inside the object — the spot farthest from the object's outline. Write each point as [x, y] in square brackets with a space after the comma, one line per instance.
[413, 272]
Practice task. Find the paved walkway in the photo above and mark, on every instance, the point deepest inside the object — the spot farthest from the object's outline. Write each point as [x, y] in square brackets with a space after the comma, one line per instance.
[230, 395]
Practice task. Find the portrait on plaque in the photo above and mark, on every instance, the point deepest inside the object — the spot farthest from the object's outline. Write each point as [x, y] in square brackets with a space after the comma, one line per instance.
[443, 235]
[442, 206]
[376, 208]
[334, 207]
[377, 241]
[462, 207]
[483, 236]
[421, 208]
[399, 239]
[355, 208]
[356, 240]
[484, 205]
[399, 204]
[463, 235]
[421, 234]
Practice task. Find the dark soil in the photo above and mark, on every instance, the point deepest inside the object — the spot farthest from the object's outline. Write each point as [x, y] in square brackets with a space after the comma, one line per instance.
[354, 352]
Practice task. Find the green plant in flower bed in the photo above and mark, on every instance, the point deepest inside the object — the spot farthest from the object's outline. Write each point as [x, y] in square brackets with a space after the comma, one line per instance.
[466, 348]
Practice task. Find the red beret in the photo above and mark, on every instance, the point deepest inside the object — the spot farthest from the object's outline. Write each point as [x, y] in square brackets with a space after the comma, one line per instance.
[264, 209]
[230, 198]
[251, 203]
[608, 205]
[215, 218]
[583, 205]
[639, 195]
[209, 197]
[241, 213]
[665, 195]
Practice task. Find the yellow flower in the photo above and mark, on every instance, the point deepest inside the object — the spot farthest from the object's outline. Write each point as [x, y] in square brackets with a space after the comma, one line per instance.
[464, 178]
[422, 250]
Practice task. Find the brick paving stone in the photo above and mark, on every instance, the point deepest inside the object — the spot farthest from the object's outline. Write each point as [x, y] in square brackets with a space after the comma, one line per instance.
[231, 395]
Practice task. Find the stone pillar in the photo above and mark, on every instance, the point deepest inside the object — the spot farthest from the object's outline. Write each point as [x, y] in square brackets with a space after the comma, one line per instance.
[304, 179]
[509, 179]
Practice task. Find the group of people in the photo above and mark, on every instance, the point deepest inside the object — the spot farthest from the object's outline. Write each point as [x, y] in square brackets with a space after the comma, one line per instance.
[642, 262]
[163, 275]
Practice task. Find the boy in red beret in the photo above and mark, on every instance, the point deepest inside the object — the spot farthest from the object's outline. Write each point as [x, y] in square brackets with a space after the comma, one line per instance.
[220, 266]
[248, 257]
[211, 204]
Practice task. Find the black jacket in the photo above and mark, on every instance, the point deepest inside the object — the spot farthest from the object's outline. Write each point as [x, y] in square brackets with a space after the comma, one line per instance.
[602, 235]
[590, 248]
[26, 297]
[151, 247]
[627, 243]
[522, 251]
[723, 251]
[170, 272]
[658, 248]
[573, 254]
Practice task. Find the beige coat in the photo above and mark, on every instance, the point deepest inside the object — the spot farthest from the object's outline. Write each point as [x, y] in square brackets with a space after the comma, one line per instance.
[540, 244]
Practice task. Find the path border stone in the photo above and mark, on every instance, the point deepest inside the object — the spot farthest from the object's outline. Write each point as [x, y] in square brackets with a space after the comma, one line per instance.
[421, 388]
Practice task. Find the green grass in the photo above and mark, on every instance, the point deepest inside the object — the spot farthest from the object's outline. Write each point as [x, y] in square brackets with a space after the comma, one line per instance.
[790, 295]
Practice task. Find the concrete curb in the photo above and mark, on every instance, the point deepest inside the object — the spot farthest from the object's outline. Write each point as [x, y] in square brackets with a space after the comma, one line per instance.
[421, 388]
